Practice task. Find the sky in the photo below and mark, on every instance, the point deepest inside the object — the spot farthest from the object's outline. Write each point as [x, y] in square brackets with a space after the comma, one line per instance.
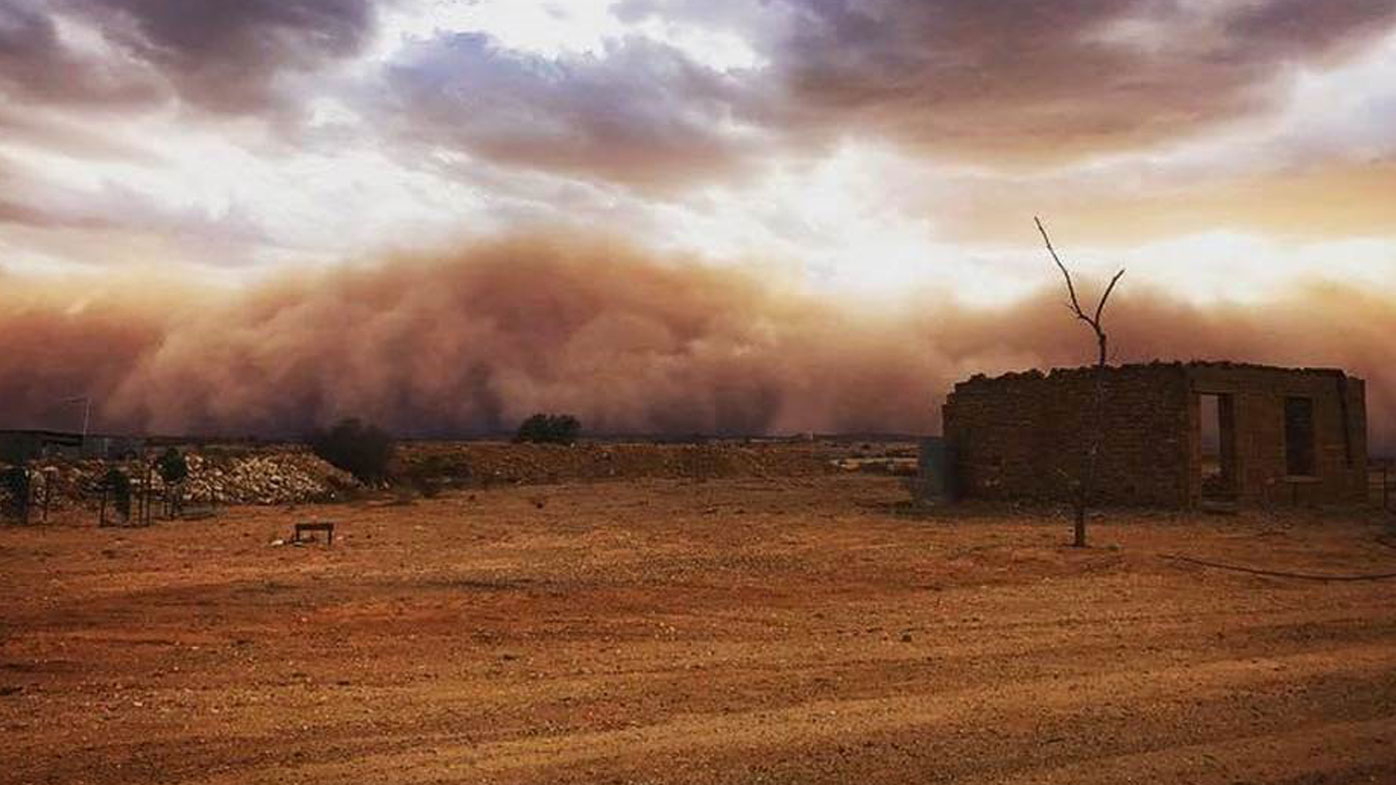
[864, 158]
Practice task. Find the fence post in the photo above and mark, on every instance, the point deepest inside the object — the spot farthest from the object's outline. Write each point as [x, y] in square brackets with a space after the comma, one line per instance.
[149, 493]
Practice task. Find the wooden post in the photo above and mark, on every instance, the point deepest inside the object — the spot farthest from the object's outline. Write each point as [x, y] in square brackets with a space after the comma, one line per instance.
[1385, 487]
[28, 498]
[149, 487]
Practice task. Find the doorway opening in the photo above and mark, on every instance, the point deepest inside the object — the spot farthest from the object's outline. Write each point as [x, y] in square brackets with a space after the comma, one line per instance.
[1218, 439]
[1299, 438]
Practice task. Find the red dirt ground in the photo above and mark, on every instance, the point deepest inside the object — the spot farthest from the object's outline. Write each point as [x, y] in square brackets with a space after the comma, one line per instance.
[793, 630]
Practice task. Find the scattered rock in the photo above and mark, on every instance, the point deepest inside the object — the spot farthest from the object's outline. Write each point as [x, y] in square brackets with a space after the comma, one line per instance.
[487, 463]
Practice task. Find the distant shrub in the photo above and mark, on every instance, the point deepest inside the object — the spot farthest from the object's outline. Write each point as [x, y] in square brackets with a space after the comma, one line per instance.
[172, 466]
[549, 429]
[14, 492]
[362, 449]
[118, 484]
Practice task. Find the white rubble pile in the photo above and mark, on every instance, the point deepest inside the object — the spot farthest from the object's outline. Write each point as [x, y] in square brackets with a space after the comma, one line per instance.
[282, 477]
[271, 478]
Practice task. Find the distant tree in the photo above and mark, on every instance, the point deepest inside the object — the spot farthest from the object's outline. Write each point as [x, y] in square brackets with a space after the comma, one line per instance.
[362, 449]
[174, 470]
[173, 467]
[118, 484]
[1083, 485]
[14, 493]
[549, 429]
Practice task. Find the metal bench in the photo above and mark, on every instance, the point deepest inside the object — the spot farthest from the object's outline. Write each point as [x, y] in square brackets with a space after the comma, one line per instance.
[315, 526]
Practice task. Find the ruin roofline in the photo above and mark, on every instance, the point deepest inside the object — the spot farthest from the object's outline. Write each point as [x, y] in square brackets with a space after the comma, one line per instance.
[1156, 365]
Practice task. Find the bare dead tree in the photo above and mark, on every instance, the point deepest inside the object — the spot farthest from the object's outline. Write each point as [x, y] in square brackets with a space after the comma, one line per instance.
[1084, 485]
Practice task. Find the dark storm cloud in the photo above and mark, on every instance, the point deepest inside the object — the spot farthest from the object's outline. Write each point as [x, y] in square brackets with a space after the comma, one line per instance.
[226, 54]
[36, 65]
[219, 55]
[1284, 28]
[998, 82]
[640, 113]
[1024, 80]
[1020, 78]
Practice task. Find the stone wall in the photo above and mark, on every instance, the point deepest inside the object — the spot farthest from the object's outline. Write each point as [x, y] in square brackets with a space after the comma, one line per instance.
[1258, 396]
[1021, 436]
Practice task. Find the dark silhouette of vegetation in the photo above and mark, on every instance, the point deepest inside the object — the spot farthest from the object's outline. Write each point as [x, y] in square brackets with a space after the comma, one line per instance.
[118, 484]
[172, 466]
[362, 449]
[174, 470]
[549, 429]
[14, 493]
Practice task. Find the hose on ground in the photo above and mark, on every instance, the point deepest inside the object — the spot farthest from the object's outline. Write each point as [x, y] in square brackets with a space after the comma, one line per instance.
[1381, 576]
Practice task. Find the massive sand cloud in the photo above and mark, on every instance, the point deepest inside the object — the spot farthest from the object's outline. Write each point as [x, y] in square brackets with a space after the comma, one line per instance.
[477, 340]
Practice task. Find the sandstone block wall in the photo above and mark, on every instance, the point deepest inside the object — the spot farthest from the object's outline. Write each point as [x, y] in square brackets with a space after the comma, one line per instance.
[1258, 395]
[1020, 436]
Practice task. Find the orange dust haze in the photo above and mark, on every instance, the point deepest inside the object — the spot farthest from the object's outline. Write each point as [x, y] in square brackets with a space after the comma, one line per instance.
[475, 341]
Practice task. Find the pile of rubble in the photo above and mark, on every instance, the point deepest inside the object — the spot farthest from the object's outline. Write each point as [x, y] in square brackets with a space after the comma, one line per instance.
[249, 477]
[264, 478]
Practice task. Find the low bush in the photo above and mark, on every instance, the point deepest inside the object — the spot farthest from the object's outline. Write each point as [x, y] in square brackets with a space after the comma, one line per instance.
[172, 466]
[362, 449]
[549, 429]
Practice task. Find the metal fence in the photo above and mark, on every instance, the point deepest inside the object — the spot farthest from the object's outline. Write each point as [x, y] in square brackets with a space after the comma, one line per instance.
[129, 493]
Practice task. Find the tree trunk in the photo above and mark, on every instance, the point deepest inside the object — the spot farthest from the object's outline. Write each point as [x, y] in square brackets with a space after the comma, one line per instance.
[1093, 433]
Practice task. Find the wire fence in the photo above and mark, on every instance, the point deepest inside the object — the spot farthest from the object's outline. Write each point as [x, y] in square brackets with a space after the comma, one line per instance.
[128, 493]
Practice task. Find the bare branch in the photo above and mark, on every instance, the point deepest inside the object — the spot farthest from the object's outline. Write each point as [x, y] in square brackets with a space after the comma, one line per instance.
[1070, 286]
[1100, 309]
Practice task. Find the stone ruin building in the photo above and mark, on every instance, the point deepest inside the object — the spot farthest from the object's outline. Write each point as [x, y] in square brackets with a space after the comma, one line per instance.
[1173, 435]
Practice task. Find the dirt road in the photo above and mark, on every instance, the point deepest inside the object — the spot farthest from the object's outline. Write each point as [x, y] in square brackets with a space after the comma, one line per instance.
[733, 631]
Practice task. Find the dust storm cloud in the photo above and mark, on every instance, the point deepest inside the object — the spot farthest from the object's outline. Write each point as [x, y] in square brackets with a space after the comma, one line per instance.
[475, 341]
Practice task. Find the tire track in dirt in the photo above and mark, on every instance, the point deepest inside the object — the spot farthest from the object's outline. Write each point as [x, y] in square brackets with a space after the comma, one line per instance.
[762, 734]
